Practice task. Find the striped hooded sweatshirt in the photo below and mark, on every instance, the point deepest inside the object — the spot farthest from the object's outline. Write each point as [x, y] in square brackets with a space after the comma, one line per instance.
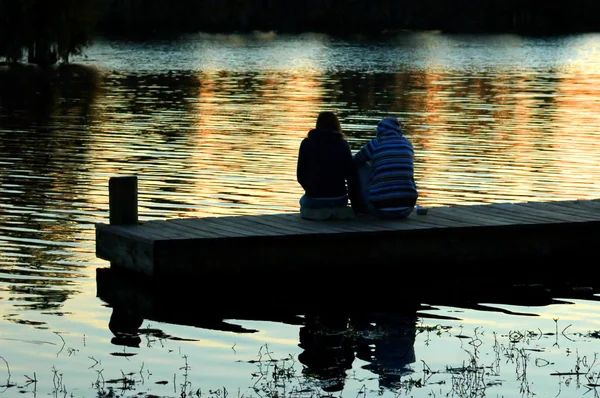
[391, 156]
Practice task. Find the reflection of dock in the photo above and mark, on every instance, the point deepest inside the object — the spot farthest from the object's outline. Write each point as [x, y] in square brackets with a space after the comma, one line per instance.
[284, 243]
[333, 335]
[140, 300]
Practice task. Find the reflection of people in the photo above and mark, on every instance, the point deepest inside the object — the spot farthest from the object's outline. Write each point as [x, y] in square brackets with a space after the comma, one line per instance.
[326, 171]
[328, 350]
[387, 341]
[386, 172]
[124, 324]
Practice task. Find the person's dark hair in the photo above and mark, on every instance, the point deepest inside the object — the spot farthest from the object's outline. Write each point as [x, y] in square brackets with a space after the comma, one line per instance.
[328, 121]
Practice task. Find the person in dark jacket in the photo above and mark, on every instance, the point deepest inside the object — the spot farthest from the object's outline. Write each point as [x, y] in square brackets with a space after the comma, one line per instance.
[326, 171]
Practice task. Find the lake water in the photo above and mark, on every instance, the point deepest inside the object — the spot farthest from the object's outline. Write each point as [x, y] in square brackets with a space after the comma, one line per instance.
[211, 125]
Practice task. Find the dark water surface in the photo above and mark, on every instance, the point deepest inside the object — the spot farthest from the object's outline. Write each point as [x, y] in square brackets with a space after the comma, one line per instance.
[211, 125]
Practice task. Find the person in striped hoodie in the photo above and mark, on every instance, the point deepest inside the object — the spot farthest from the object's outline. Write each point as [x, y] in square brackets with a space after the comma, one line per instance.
[386, 172]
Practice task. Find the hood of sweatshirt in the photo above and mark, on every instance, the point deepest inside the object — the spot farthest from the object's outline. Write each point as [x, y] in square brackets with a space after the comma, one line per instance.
[389, 126]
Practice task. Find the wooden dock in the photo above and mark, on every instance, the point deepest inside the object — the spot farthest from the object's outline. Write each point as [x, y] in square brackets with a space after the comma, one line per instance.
[521, 237]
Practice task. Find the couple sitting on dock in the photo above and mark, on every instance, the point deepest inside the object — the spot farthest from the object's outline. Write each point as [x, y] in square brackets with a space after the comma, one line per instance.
[378, 180]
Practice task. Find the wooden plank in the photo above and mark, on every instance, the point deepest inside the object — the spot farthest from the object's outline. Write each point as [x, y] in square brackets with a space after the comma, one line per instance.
[413, 221]
[274, 221]
[548, 213]
[567, 214]
[326, 226]
[455, 219]
[592, 206]
[432, 222]
[163, 230]
[589, 210]
[176, 231]
[509, 215]
[398, 225]
[530, 208]
[284, 228]
[206, 228]
[240, 222]
[523, 215]
[224, 229]
[217, 223]
[330, 226]
[489, 218]
[348, 225]
[374, 222]
[136, 231]
[366, 223]
[578, 204]
[193, 227]
[462, 217]
[595, 204]
[409, 223]
[569, 209]
[188, 232]
[310, 225]
[537, 210]
[251, 224]
[197, 227]
[418, 224]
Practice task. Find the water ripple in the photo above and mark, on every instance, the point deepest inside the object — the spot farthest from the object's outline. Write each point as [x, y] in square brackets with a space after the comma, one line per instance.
[219, 132]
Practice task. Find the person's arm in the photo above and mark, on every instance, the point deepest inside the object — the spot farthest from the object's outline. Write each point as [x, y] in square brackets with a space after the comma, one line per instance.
[301, 167]
[364, 154]
[353, 182]
[412, 155]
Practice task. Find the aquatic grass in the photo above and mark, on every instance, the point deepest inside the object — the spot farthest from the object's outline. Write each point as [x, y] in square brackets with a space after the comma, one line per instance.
[8, 383]
[279, 377]
[437, 329]
[582, 374]
[276, 376]
[473, 377]
[58, 383]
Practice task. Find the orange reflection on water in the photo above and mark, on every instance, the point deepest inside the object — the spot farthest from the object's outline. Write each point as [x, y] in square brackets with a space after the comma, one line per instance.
[578, 130]
[514, 148]
[252, 146]
[230, 145]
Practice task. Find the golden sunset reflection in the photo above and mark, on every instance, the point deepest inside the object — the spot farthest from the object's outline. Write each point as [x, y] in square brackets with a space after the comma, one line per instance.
[233, 149]
[518, 153]
[252, 142]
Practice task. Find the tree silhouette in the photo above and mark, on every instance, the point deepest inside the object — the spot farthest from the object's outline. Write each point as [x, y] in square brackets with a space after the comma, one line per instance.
[45, 32]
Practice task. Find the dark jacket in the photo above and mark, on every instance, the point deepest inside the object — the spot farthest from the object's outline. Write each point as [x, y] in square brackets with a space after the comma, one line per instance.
[325, 165]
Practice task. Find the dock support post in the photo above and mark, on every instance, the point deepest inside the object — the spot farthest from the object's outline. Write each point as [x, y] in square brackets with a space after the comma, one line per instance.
[123, 201]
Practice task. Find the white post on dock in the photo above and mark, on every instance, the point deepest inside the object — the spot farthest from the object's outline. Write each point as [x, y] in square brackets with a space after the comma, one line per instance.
[123, 200]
